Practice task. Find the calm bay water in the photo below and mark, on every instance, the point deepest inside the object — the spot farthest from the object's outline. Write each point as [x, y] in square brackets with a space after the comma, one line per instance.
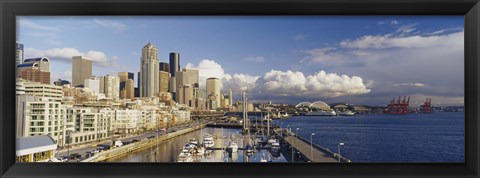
[422, 138]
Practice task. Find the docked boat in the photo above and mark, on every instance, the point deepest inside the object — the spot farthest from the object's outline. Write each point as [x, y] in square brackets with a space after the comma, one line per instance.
[321, 113]
[182, 157]
[346, 113]
[275, 147]
[208, 141]
[272, 140]
[194, 141]
[232, 147]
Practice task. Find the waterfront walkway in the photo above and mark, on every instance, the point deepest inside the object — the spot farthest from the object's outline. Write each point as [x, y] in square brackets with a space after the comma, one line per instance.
[314, 153]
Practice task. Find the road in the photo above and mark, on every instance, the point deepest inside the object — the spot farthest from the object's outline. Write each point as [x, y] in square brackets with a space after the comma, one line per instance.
[92, 146]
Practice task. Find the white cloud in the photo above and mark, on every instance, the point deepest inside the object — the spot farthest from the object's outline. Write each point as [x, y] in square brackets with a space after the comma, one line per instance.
[99, 59]
[23, 22]
[65, 75]
[299, 37]
[283, 83]
[415, 41]
[410, 84]
[111, 24]
[255, 59]
[318, 85]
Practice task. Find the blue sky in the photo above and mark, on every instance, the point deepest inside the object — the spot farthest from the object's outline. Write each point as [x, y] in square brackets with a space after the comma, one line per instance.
[364, 59]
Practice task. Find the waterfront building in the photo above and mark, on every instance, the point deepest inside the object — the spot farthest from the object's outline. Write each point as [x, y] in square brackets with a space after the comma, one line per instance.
[81, 70]
[213, 90]
[19, 53]
[149, 67]
[61, 82]
[40, 116]
[174, 63]
[35, 149]
[126, 85]
[43, 90]
[164, 81]
[164, 67]
[35, 69]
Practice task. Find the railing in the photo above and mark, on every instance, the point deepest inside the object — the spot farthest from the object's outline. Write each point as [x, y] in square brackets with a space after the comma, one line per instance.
[316, 146]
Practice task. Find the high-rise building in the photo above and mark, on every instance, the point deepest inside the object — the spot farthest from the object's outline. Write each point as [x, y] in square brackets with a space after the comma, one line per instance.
[19, 54]
[165, 67]
[81, 70]
[54, 93]
[93, 84]
[35, 70]
[174, 63]
[185, 95]
[213, 90]
[187, 76]
[149, 67]
[110, 86]
[164, 81]
[127, 89]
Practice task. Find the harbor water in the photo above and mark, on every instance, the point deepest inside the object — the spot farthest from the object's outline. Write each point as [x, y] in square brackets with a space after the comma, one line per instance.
[418, 138]
[168, 151]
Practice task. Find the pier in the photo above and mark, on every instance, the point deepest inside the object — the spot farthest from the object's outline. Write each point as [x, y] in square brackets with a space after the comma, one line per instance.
[311, 152]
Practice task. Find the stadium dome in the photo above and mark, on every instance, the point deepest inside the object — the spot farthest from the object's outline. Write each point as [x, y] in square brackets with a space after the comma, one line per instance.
[319, 105]
[303, 104]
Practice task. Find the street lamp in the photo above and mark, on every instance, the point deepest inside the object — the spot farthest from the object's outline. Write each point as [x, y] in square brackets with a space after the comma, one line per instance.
[339, 144]
[311, 146]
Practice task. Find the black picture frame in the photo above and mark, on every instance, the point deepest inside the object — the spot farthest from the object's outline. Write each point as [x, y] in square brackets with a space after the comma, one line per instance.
[11, 8]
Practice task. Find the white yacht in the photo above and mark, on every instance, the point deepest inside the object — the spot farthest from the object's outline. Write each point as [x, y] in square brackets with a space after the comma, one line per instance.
[346, 113]
[322, 113]
[182, 157]
[275, 147]
[208, 141]
[194, 141]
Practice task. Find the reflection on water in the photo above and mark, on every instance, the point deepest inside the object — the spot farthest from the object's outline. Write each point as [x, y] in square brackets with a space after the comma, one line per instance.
[168, 151]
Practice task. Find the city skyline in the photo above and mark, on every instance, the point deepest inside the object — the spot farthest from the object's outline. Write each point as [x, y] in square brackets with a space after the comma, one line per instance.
[370, 60]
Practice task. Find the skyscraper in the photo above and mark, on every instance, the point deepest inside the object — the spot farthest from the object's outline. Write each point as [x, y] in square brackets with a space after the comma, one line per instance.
[110, 86]
[164, 81]
[174, 63]
[187, 76]
[126, 85]
[165, 67]
[81, 70]
[19, 54]
[149, 67]
[213, 89]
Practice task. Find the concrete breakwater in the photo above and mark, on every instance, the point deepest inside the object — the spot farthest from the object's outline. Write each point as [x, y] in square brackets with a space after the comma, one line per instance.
[123, 150]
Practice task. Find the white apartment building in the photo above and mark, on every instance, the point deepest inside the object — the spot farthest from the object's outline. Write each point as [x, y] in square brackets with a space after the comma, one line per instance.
[43, 90]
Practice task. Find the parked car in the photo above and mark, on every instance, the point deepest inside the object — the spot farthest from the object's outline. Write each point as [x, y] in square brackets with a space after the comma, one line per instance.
[149, 137]
[134, 140]
[117, 143]
[63, 158]
[95, 151]
[75, 156]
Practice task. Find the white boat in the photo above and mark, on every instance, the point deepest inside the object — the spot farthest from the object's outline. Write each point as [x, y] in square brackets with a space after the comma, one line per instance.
[208, 141]
[184, 158]
[194, 141]
[346, 113]
[275, 147]
[189, 146]
[322, 113]
[271, 140]
[232, 147]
